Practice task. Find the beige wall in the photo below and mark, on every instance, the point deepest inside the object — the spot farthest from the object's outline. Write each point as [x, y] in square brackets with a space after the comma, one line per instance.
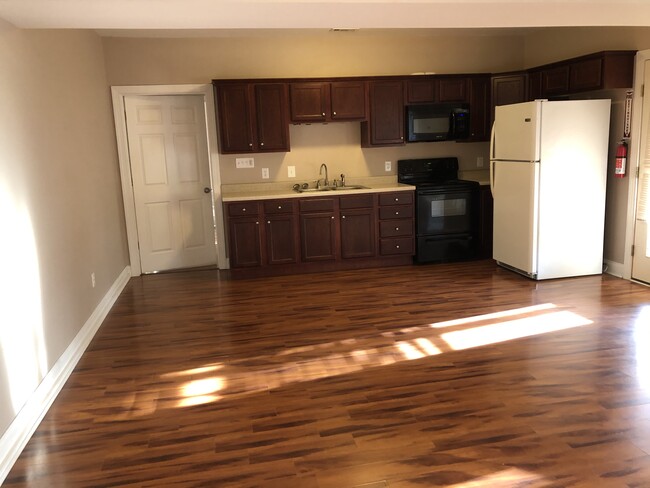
[60, 201]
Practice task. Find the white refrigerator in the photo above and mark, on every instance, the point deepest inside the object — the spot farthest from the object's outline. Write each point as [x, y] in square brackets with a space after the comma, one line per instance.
[548, 172]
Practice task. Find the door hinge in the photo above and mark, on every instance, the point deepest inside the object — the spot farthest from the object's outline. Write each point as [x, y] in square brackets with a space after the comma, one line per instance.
[632, 249]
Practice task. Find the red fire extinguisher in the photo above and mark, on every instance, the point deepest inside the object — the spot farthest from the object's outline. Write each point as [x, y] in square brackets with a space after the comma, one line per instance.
[621, 159]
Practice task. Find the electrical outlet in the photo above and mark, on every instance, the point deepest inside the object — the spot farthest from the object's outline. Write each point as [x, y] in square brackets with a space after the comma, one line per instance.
[479, 162]
[92, 279]
[244, 162]
[291, 170]
[265, 173]
[388, 165]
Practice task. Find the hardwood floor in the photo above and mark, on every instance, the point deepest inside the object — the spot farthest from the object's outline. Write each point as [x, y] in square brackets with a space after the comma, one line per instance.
[461, 375]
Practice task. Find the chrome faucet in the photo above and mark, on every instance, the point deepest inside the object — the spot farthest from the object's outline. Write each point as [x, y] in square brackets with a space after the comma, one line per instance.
[320, 172]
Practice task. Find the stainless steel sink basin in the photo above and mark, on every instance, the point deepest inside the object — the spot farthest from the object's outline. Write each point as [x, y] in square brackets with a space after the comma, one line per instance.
[331, 188]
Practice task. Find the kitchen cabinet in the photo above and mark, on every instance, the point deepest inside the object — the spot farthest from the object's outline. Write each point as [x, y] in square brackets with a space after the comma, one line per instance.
[252, 117]
[422, 90]
[396, 224]
[280, 232]
[262, 237]
[507, 89]
[357, 226]
[318, 229]
[453, 89]
[244, 235]
[385, 126]
[486, 206]
[479, 103]
[327, 101]
[555, 81]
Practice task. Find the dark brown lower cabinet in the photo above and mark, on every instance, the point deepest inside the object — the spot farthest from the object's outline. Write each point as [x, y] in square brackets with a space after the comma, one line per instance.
[245, 242]
[358, 233]
[318, 236]
[486, 220]
[281, 239]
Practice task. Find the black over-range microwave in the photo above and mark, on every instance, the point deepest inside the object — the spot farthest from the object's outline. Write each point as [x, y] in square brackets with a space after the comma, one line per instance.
[437, 122]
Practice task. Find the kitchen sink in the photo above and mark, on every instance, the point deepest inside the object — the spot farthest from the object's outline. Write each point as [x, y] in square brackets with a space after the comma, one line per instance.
[331, 188]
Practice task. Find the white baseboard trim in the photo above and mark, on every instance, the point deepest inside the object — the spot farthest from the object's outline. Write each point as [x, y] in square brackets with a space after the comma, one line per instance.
[614, 268]
[14, 440]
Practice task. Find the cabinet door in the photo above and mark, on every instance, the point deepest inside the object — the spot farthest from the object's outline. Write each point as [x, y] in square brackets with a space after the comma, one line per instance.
[586, 75]
[272, 120]
[479, 108]
[245, 242]
[555, 81]
[308, 102]
[386, 124]
[348, 99]
[421, 91]
[534, 85]
[318, 236]
[235, 118]
[507, 89]
[452, 90]
[358, 233]
[281, 239]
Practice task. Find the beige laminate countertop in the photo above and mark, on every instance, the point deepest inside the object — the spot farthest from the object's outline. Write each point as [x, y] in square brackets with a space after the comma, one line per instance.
[270, 191]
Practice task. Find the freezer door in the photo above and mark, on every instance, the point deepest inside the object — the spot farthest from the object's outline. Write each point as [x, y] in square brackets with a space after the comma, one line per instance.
[516, 132]
[515, 190]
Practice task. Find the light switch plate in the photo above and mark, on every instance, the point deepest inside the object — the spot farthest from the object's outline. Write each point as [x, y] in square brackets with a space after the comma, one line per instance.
[388, 165]
[291, 171]
[244, 162]
[265, 173]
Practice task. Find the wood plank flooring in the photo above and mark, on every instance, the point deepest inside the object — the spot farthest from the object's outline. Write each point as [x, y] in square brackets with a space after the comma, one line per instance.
[461, 375]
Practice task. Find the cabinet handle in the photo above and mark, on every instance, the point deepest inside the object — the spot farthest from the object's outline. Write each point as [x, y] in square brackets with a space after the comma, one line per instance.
[396, 228]
[250, 144]
[333, 113]
[261, 143]
[279, 207]
[396, 213]
[332, 217]
[397, 199]
[343, 216]
[323, 114]
[397, 247]
[402, 138]
[243, 209]
[268, 221]
[257, 223]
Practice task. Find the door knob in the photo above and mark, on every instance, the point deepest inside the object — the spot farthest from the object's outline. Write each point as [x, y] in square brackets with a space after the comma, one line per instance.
[206, 190]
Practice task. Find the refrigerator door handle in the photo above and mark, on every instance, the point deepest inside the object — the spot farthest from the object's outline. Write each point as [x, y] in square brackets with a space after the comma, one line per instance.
[493, 140]
[492, 177]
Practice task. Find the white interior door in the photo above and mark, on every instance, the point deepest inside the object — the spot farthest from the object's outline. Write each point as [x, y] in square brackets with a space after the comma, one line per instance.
[515, 193]
[641, 258]
[171, 181]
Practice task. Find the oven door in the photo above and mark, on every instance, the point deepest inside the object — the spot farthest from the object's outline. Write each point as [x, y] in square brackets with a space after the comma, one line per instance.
[442, 212]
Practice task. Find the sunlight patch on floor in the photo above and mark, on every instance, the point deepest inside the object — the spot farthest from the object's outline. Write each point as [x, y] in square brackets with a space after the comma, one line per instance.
[504, 479]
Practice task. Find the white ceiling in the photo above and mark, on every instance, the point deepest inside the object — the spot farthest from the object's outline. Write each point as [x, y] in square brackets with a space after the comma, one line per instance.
[290, 14]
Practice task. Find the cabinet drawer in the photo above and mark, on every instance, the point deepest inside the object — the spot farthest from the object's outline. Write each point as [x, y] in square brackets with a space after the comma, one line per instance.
[357, 201]
[396, 198]
[404, 245]
[396, 228]
[317, 205]
[243, 208]
[278, 207]
[396, 212]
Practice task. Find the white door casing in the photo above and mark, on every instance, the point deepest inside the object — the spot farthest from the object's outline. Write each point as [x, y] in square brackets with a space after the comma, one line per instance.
[205, 93]
[171, 181]
[641, 258]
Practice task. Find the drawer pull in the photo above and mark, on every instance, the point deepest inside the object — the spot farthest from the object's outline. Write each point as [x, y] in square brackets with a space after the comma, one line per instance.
[279, 207]
[343, 216]
[397, 246]
[396, 213]
[396, 228]
[268, 221]
[243, 209]
[397, 199]
[257, 223]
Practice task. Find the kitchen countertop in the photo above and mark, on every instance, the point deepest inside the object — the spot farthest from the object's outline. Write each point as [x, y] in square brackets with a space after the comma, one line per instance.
[269, 191]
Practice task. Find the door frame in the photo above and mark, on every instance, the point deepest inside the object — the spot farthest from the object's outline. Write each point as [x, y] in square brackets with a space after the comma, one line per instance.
[118, 94]
[633, 157]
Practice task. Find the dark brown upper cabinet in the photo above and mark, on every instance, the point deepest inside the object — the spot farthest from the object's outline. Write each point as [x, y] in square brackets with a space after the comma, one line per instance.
[509, 88]
[252, 117]
[452, 89]
[436, 89]
[327, 101]
[385, 126]
[421, 90]
[555, 81]
[479, 102]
